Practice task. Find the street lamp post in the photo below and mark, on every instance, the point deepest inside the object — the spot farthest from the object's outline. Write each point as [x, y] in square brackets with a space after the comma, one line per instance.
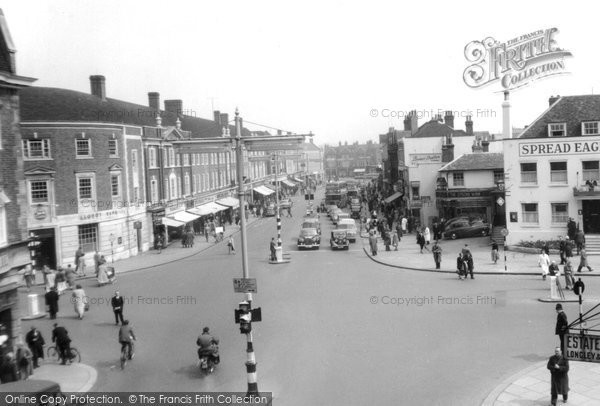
[111, 238]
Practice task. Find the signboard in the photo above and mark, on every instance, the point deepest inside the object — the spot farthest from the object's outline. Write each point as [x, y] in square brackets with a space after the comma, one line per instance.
[504, 232]
[514, 217]
[416, 159]
[582, 347]
[500, 201]
[453, 194]
[559, 148]
[244, 285]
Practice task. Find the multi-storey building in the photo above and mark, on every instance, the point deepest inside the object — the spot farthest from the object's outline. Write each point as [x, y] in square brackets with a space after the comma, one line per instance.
[552, 172]
[14, 252]
[342, 161]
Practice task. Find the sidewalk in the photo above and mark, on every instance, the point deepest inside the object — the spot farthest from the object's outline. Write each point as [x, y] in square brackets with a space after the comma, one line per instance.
[75, 377]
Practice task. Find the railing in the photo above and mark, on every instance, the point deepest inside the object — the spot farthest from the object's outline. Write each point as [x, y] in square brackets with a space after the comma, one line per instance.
[586, 190]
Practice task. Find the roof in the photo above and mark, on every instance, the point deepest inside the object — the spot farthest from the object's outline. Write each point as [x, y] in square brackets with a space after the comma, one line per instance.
[62, 105]
[572, 110]
[475, 162]
[307, 146]
[434, 128]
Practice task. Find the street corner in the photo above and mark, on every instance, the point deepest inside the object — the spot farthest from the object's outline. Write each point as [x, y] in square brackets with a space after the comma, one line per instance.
[75, 377]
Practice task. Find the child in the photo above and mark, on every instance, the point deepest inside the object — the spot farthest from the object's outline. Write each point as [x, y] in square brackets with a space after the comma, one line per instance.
[230, 245]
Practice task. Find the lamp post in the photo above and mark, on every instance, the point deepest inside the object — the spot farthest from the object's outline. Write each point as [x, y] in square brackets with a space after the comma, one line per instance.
[112, 238]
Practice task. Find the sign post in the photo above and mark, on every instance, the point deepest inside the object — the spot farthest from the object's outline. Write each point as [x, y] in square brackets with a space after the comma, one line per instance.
[504, 233]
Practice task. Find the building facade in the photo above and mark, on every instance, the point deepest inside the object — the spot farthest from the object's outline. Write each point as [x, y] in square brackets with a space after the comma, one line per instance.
[343, 160]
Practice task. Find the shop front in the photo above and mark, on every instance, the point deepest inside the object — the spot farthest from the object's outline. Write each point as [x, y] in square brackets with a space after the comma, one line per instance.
[486, 204]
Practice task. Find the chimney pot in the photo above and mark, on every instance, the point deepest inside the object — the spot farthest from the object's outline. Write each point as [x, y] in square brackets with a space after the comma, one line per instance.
[217, 116]
[552, 100]
[224, 119]
[469, 126]
[154, 100]
[98, 86]
[449, 118]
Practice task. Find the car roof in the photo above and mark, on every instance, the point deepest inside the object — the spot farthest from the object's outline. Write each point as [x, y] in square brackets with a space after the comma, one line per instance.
[338, 232]
[308, 231]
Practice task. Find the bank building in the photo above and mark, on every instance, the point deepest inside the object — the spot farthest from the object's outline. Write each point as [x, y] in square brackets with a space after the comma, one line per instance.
[552, 173]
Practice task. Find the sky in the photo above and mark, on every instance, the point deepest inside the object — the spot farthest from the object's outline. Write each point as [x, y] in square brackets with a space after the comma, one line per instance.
[335, 68]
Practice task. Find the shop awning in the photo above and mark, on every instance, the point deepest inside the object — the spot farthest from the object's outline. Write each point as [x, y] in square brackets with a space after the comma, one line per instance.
[168, 221]
[263, 190]
[359, 171]
[298, 180]
[206, 209]
[229, 202]
[185, 217]
[282, 178]
[288, 183]
[392, 197]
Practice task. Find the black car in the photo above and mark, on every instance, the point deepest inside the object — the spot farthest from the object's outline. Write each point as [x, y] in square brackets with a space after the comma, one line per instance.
[309, 238]
[464, 228]
[339, 240]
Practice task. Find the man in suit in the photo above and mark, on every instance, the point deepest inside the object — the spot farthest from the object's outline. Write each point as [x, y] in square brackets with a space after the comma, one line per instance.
[52, 302]
[272, 246]
[60, 336]
[559, 376]
[36, 342]
[117, 305]
[561, 325]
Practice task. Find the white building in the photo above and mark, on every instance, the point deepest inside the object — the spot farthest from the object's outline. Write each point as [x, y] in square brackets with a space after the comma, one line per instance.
[549, 170]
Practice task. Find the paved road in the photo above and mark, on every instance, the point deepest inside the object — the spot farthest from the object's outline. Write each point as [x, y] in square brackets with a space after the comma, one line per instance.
[323, 340]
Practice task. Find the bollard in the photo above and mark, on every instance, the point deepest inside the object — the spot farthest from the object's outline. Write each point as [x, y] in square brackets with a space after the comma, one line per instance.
[554, 294]
[33, 307]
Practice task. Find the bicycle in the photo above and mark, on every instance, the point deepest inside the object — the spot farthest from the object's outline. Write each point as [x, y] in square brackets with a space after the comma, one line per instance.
[53, 353]
[126, 353]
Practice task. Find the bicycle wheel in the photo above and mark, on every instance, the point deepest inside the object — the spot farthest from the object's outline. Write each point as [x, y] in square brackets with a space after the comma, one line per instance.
[53, 353]
[75, 355]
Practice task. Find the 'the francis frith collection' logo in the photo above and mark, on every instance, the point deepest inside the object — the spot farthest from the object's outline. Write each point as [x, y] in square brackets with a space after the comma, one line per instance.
[514, 63]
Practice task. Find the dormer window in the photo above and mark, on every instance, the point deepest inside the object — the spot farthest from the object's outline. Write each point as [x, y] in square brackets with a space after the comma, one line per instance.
[557, 130]
[590, 128]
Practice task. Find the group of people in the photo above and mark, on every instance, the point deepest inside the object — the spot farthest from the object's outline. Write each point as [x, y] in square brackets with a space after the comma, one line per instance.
[550, 267]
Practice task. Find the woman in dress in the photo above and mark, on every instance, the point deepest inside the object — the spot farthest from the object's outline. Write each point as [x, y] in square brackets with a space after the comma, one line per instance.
[79, 300]
[61, 281]
[50, 278]
[427, 235]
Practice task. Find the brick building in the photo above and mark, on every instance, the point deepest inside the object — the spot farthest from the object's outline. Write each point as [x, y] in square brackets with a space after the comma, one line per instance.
[341, 161]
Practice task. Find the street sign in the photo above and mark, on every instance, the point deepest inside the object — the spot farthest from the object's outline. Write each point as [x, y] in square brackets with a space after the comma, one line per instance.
[244, 285]
[500, 201]
[504, 232]
[580, 347]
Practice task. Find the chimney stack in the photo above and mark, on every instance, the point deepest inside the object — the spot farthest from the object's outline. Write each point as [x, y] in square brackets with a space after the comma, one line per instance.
[98, 86]
[469, 126]
[448, 150]
[552, 100]
[154, 100]
[449, 118]
[217, 116]
[174, 106]
[225, 120]
[476, 147]
[485, 144]
[506, 128]
[414, 122]
[407, 122]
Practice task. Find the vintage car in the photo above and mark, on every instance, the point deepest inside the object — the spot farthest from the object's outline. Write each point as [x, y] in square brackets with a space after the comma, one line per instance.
[311, 222]
[309, 238]
[349, 226]
[271, 210]
[339, 240]
[331, 208]
[464, 228]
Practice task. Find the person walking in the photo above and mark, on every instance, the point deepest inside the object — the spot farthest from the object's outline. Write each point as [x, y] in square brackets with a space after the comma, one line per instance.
[403, 224]
[571, 228]
[427, 235]
[96, 262]
[544, 263]
[579, 241]
[569, 279]
[79, 301]
[24, 361]
[79, 254]
[207, 230]
[495, 255]
[385, 236]
[561, 249]
[437, 254]
[559, 376]
[583, 261]
[562, 325]
[117, 303]
[421, 241]
[61, 281]
[70, 276]
[395, 239]
[35, 341]
[230, 245]
[568, 249]
[52, 302]
[28, 276]
[272, 246]
[373, 243]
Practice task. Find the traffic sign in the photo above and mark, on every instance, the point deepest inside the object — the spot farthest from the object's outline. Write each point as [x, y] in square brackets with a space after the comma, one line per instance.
[244, 285]
[504, 232]
[500, 201]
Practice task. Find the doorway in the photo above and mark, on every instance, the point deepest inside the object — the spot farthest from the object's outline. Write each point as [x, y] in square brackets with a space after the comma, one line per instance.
[591, 216]
[47, 248]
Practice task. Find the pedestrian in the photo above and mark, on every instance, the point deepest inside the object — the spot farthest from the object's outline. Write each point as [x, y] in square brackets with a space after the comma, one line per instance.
[559, 376]
[583, 262]
[561, 249]
[385, 236]
[562, 325]
[35, 341]
[52, 302]
[9, 371]
[546, 248]
[568, 249]
[230, 245]
[60, 336]
[544, 263]
[117, 303]
[79, 301]
[403, 224]
[190, 241]
[272, 249]
[79, 254]
[437, 254]
[184, 239]
[70, 276]
[568, 270]
[395, 240]
[461, 266]
[421, 241]
[495, 255]
[399, 230]
[289, 210]
[96, 262]
[373, 243]
[579, 240]
[29, 276]
[61, 281]
[24, 361]
[467, 256]
[160, 243]
[427, 235]
[207, 230]
[571, 228]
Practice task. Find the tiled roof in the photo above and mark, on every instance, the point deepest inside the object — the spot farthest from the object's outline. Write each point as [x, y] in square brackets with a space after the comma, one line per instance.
[63, 105]
[434, 128]
[572, 110]
[475, 162]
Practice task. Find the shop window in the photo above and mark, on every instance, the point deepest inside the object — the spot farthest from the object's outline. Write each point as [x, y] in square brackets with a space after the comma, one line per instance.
[529, 173]
[415, 193]
[88, 237]
[530, 213]
[590, 171]
[558, 172]
[560, 213]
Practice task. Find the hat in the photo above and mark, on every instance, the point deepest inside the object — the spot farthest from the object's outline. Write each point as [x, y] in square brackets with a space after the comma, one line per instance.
[558, 306]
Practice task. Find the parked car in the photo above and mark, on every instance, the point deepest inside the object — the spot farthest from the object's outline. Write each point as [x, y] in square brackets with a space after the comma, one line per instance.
[270, 210]
[330, 208]
[311, 222]
[339, 240]
[309, 238]
[348, 225]
[464, 228]
[449, 222]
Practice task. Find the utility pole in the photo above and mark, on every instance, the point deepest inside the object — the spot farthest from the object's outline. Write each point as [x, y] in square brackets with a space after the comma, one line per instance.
[251, 359]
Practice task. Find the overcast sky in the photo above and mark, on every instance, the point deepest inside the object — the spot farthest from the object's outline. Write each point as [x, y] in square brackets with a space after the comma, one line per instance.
[319, 66]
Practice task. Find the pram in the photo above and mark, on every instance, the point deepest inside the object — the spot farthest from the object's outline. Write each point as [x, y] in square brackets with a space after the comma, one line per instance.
[106, 275]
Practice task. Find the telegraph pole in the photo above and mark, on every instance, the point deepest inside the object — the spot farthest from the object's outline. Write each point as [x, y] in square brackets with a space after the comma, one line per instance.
[251, 359]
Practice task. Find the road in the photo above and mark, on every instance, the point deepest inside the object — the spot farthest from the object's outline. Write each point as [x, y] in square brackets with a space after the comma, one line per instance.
[337, 328]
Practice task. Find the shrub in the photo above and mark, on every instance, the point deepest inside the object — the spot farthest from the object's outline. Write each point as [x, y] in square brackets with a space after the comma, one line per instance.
[539, 244]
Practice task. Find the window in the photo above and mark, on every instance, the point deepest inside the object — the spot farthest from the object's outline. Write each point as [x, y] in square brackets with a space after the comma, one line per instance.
[530, 213]
[498, 176]
[186, 186]
[85, 188]
[152, 157]
[83, 148]
[590, 128]
[165, 160]
[166, 190]
[88, 237]
[557, 130]
[415, 193]
[529, 173]
[3, 231]
[186, 159]
[458, 179]
[115, 187]
[178, 160]
[590, 170]
[113, 151]
[173, 187]
[38, 191]
[134, 160]
[560, 213]
[36, 149]
[154, 190]
[171, 157]
[558, 172]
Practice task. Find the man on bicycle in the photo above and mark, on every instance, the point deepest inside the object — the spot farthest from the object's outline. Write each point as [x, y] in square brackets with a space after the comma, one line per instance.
[126, 336]
[60, 336]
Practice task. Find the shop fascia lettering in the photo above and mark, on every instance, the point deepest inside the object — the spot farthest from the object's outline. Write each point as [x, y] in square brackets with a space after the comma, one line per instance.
[559, 148]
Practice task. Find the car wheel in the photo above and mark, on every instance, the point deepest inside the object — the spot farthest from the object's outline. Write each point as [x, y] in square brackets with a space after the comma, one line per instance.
[347, 247]
[453, 236]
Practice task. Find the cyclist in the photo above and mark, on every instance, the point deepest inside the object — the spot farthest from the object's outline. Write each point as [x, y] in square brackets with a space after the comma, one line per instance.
[60, 336]
[126, 335]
